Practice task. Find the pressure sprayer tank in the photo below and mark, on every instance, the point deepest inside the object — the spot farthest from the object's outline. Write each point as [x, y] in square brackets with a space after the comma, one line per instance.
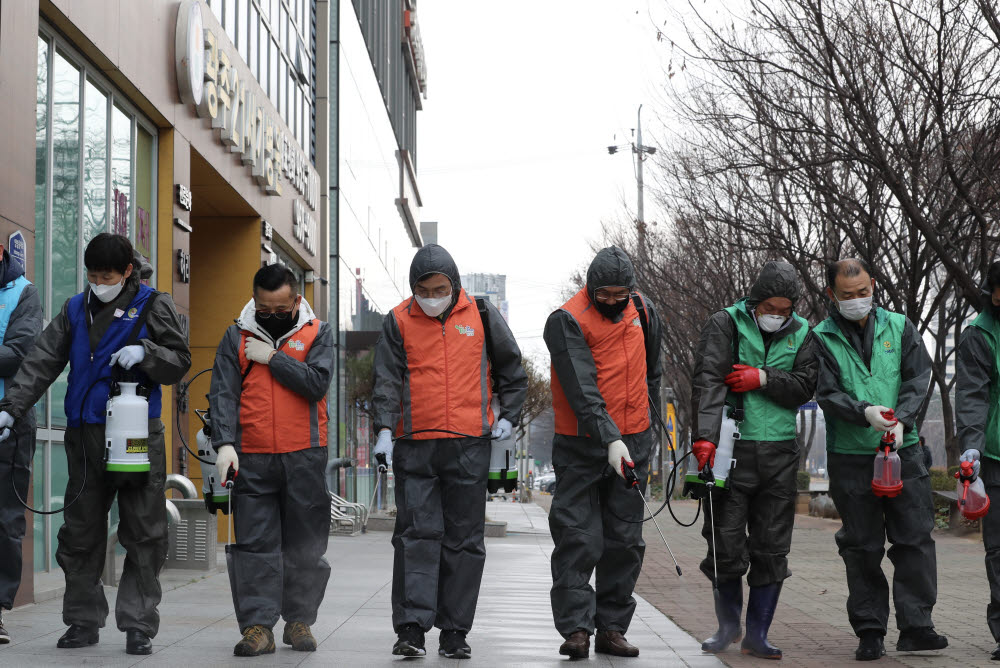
[887, 478]
[728, 435]
[215, 493]
[503, 468]
[972, 498]
[127, 434]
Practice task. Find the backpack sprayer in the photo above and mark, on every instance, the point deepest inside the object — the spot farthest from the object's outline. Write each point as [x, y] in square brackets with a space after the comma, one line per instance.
[216, 492]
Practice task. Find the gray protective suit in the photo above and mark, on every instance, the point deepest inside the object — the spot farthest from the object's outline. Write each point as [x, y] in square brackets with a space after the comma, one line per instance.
[905, 520]
[760, 500]
[281, 504]
[440, 550]
[976, 375]
[586, 533]
[142, 528]
[16, 452]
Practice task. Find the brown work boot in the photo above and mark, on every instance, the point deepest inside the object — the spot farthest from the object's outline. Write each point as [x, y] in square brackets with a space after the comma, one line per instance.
[614, 643]
[298, 635]
[577, 646]
[257, 640]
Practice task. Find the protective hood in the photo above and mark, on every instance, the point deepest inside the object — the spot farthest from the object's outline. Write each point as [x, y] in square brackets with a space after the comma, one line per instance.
[611, 266]
[10, 269]
[776, 279]
[141, 266]
[248, 322]
[433, 259]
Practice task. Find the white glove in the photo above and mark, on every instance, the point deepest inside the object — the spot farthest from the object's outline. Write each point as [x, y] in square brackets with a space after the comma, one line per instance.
[897, 431]
[383, 446]
[617, 450]
[128, 356]
[874, 416]
[763, 378]
[502, 429]
[6, 422]
[258, 351]
[970, 455]
[227, 457]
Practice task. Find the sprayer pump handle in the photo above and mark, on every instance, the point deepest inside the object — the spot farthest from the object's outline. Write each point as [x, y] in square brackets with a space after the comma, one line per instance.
[631, 480]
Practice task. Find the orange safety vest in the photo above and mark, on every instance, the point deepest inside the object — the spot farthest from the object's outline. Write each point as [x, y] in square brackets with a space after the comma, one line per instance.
[447, 384]
[619, 351]
[273, 418]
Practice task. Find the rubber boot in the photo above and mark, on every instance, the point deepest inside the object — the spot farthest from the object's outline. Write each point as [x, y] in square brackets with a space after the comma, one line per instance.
[760, 612]
[728, 608]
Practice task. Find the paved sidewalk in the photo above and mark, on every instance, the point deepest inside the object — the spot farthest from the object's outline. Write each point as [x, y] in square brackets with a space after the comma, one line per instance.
[513, 624]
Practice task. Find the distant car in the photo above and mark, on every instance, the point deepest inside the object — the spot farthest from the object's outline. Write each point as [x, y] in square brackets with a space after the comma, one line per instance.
[550, 487]
[543, 481]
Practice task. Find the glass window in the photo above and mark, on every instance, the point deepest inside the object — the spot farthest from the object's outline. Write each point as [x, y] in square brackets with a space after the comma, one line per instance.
[121, 172]
[252, 38]
[283, 28]
[60, 478]
[216, 6]
[230, 16]
[143, 239]
[65, 180]
[286, 90]
[38, 501]
[95, 162]
[273, 20]
[41, 167]
[273, 87]
[241, 31]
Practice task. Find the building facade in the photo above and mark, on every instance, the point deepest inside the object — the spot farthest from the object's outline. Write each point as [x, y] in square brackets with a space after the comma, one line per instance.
[489, 286]
[199, 129]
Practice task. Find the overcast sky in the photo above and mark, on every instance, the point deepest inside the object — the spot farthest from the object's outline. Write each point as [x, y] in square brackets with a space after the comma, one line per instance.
[524, 98]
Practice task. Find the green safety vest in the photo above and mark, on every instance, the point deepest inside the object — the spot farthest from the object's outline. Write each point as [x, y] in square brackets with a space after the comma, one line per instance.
[991, 331]
[765, 420]
[878, 386]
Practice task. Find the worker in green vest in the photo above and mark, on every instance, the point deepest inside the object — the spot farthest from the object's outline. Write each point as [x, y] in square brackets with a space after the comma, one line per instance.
[756, 355]
[872, 360]
[977, 407]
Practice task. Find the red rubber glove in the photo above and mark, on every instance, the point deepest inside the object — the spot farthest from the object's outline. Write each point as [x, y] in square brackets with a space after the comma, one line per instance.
[704, 452]
[744, 378]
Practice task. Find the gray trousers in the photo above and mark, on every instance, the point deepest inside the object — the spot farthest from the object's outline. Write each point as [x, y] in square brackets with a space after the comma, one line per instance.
[142, 531]
[990, 473]
[754, 516]
[439, 538]
[589, 537]
[281, 521]
[906, 521]
[16, 454]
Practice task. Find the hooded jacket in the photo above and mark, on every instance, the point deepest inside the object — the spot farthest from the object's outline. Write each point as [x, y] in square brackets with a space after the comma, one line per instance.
[24, 322]
[977, 384]
[440, 373]
[787, 388]
[604, 372]
[276, 407]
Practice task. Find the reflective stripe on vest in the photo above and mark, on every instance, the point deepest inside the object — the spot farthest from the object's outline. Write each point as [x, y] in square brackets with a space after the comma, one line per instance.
[619, 352]
[274, 418]
[447, 384]
[10, 296]
[990, 328]
[765, 420]
[878, 386]
[88, 369]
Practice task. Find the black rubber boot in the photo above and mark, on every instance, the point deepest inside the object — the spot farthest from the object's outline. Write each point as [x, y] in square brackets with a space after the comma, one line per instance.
[871, 646]
[728, 608]
[760, 612]
[995, 655]
[920, 640]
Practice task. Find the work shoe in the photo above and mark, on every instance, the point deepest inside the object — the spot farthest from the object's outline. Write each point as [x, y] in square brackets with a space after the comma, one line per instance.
[995, 655]
[919, 640]
[452, 645]
[614, 643]
[257, 640]
[728, 608]
[760, 612]
[298, 635]
[577, 646]
[871, 647]
[410, 642]
[77, 636]
[4, 636]
[137, 642]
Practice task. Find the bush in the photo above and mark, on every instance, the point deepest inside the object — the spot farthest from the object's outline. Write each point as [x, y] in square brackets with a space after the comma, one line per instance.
[942, 480]
[802, 480]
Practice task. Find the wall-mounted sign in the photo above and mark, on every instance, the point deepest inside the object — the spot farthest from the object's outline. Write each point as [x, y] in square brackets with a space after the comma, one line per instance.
[237, 107]
[266, 231]
[184, 197]
[304, 226]
[18, 249]
[183, 266]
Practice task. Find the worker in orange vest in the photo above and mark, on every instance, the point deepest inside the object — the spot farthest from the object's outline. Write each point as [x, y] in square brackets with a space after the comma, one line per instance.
[605, 350]
[441, 356]
[269, 423]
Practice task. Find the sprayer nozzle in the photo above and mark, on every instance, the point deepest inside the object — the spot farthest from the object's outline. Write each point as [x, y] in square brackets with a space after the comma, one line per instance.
[679, 574]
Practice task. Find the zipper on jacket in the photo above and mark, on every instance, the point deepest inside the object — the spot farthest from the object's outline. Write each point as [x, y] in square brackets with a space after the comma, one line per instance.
[444, 339]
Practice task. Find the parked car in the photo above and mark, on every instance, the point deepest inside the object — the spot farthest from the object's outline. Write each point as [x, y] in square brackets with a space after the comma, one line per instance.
[544, 480]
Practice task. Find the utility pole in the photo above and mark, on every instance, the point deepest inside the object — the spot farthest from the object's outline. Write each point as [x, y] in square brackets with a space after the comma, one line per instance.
[641, 153]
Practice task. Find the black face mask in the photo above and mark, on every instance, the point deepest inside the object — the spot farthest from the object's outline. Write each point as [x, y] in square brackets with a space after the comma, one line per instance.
[611, 311]
[995, 310]
[275, 327]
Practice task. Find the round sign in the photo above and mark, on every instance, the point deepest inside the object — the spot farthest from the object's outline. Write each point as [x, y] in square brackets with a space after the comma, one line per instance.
[189, 52]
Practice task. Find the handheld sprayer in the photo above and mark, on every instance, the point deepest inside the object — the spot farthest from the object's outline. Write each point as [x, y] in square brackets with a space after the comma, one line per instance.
[887, 478]
[973, 500]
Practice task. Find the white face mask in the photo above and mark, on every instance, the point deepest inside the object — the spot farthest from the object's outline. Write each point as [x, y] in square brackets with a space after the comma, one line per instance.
[855, 309]
[107, 293]
[770, 323]
[434, 306]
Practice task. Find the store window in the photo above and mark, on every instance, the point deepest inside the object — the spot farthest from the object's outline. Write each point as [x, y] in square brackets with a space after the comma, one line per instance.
[95, 158]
